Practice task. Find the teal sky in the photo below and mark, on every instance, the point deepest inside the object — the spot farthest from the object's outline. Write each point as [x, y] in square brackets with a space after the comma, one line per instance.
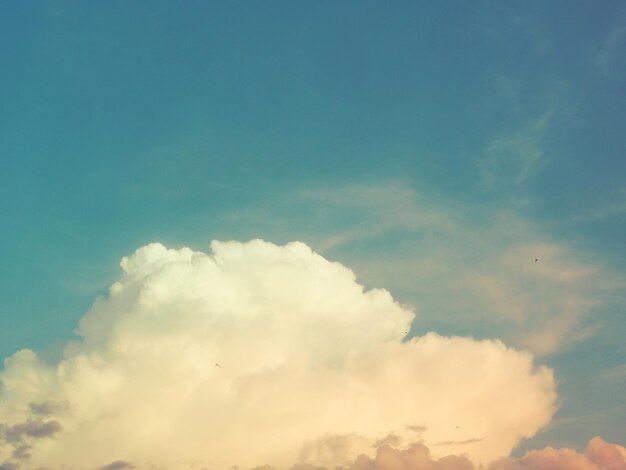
[433, 147]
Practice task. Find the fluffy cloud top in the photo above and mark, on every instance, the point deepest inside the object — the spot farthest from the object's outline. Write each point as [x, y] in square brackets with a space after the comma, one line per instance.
[470, 266]
[260, 354]
[599, 455]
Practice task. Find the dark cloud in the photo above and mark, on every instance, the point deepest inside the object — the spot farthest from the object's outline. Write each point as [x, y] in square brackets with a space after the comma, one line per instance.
[117, 465]
[34, 429]
[22, 452]
[418, 428]
[8, 466]
[599, 455]
[416, 457]
[47, 408]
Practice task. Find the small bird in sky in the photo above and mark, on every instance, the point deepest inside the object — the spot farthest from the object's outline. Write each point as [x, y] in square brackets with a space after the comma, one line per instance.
[536, 259]
[217, 365]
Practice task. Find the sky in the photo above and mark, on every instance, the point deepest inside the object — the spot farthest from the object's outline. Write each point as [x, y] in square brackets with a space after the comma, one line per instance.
[365, 235]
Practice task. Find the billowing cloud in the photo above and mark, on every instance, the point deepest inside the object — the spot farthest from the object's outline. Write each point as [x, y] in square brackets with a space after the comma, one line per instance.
[415, 457]
[599, 455]
[8, 466]
[469, 268]
[261, 354]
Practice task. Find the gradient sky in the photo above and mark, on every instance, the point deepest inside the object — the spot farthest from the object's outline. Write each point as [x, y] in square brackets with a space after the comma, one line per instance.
[435, 148]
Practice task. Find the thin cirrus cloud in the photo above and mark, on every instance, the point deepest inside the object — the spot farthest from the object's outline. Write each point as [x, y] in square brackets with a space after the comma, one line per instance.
[313, 370]
[514, 158]
[610, 50]
[457, 261]
[599, 455]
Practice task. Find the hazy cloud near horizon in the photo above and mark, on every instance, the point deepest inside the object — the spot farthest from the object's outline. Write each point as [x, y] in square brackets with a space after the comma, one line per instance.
[193, 357]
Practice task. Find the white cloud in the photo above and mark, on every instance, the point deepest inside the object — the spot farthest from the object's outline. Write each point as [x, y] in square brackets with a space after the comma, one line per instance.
[599, 455]
[470, 266]
[312, 368]
[614, 207]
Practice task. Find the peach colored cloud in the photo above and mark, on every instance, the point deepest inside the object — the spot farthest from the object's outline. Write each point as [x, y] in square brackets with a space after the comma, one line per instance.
[260, 354]
[599, 455]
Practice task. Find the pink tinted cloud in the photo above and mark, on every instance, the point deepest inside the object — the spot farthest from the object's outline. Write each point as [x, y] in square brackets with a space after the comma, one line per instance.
[599, 455]
[415, 457]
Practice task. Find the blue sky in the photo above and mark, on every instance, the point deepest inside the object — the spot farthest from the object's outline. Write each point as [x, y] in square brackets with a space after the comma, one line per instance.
[431, 147]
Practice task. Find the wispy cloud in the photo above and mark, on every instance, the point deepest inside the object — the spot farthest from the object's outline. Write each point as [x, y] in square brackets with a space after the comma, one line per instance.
[458, 262]
[599, 455]
[614, 374]
[35, 429]
[513, 158]
[117, 465]
[48, 408]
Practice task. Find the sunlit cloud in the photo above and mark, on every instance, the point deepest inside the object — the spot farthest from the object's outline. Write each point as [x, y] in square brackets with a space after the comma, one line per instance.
[599, 455]
[460, 263]
[258, 354]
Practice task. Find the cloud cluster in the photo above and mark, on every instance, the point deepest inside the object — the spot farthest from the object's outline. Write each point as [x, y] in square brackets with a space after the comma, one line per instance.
[468, 265]
[260, 354]
[599, 455]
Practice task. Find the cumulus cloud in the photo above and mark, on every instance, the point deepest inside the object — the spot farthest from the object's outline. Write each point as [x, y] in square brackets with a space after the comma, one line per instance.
[599, 455]
[470, 266]
[47, 408]
[312, 370]
[117, 465]
[513, 159]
